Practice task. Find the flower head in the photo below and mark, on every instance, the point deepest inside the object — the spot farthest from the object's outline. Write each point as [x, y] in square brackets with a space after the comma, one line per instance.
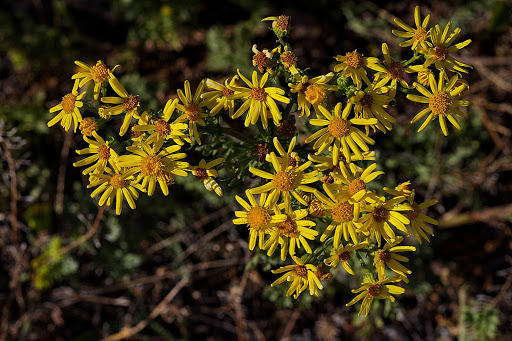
[69, 109]
[301, 275]
[217, 99]
[280, 24]
[388, 256]
[353, 65]
[101, 154]
[311, 92]
[191, 106]
[416, 36]
[99, 73]
[418, 219]
[343, 254]
[206, 173]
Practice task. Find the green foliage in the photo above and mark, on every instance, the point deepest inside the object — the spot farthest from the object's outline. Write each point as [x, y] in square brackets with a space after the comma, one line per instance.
[481, 322]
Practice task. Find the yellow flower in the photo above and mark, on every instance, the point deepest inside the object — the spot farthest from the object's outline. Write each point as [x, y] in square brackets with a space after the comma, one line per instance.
[340, 133]
[280, 24]
[371, 104]
[439, 53]
[400, 190]
[326, 163]
[261, 59]
[119, 183]
[381, 214]
[418, 219]
[344, 215]
[388, 256]
[311, 92]
[191, 107]
[125, 102]
[440, 102]
[101, 154]
[287, 180]
[301, 275]
[371, 289]
[290, 233]
[343, 254]
[99, 73]
[417, 36]
[152, 163]
[391, 71]
[206, 173]
[258, 217]
[164, 130]
[260, 101]
[352, 65]
[69, 109]
[217, 99]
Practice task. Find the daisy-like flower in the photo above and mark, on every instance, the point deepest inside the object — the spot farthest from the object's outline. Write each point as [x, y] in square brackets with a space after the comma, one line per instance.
[101, 155]
[325, 162]
[418, 219]
[206, 173]
[344, 215]
[258, 100]
[117, 184]
[292, 232]
[353, 65]
[124, 103]
[401, 190]
[311, 92]
[69, 109]
[287, 180]
[416, 36]
[258, 216]
[392, 71]
[164, 130]
[388, 256]
[280, 24]
[371, 289]
[191, 107]
[301, 275]
[343, 254]
[217, 99]
[441, 102]
[289, 60]
[381, 214]
[371, 104]
[99, 73]
[340, 133]
[261, 59]
[438, 54]
[152, 163]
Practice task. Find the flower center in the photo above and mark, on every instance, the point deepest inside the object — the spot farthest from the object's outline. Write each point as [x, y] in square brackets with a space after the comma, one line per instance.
[344, 256]
[315, 93]
[162, 127]
[342, 212]
[99, 72]
[354, 59]
[193, 111]
[281, 23]
[355, 186]
[385, 256]
[395, 70]
[301, 271]
[413, 215]
[259, 94]
[283, 181]
[366, 101]
[339, 127]
[227, 92]
[260, 151]
[424, 75]
[151, 165]
[131, 102]
[380, 214]
[116, 182]
[104, 152]
[439, 103]
[88, 125]
[68, 103]
[440, 53]
[316, 208]
[420, 34]
[260, 60]
[375, 290]
[200, 174]
[257, 216]
[289, 59]
[288, 227]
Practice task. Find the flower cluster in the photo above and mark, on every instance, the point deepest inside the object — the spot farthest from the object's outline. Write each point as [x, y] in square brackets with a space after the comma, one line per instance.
[317, 202]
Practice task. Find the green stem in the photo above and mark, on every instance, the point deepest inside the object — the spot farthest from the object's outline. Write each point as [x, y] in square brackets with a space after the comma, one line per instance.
[237, 135]
[413, 58]
[363, 263]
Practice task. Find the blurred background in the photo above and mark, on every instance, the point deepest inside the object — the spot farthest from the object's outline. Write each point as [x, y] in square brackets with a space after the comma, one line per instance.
[176, 268]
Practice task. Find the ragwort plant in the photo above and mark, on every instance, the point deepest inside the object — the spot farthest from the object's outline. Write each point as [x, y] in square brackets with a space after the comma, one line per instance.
[312, 204]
